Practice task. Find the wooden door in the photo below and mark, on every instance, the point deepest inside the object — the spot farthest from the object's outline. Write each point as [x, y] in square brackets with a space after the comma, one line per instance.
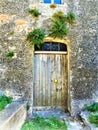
[50, 80]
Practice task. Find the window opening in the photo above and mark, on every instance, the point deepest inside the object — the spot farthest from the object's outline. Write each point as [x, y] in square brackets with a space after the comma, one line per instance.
[51, 46]
[52, 1]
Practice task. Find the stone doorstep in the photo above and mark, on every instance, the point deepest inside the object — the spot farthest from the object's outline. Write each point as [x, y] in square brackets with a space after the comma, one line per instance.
[84, 116]
[7, 114]
[72, 123]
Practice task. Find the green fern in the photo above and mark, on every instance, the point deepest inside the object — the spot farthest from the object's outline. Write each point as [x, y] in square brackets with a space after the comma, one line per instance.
[36, 37]
[58, 29]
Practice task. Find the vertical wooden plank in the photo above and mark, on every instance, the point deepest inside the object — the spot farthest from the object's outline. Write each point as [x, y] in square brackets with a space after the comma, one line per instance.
[34, 79]
[47, 68]
[63, 78]
[54, 76]
[59, 80]
[38, 80]
[44, 78]
[52, 80]
[40, 92]
[64, 90]
[49, 79]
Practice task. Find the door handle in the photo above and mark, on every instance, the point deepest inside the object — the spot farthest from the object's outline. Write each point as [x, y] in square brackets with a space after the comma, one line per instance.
[55, 81]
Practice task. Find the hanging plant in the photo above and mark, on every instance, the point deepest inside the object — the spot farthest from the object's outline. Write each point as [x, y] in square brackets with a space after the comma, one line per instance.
[34, 12]
[36, 37]
[58, 29]
[70, 18]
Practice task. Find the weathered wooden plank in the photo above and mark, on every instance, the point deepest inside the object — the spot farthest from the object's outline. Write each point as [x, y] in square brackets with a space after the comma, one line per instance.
[47, 68]
[52, 52]
[64, 91]
[53, 78]
[46, 80]
[38, 81]
[41, 80]
[49, 79]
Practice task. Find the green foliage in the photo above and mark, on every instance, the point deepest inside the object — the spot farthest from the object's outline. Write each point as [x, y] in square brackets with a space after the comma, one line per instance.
[92, 108]
[4, 100]
[58, 29]
[70, 18]
[94, 119]
[53, 6]
[28, 107]
[10, 54]
[59, 16]
[39, 123]
[34, 12]
[12, 32]
[59, 26]
[36, 37]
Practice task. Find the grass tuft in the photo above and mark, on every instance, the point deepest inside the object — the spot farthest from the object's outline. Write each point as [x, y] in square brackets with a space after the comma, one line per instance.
[92, 108]
[39, 123]
[94, 119]
[10, 54]
[4, 100]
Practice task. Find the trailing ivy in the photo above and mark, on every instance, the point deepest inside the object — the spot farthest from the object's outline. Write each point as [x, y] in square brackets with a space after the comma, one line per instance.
[36, 37]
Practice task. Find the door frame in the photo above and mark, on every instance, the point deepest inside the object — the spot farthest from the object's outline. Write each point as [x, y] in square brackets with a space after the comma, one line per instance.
[67, 42]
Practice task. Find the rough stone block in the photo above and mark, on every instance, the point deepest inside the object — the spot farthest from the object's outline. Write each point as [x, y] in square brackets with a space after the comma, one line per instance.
[13, 117]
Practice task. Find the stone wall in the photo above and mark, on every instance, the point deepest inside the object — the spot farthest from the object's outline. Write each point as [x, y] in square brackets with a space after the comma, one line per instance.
[17, 73]
[84, 53]
[13, 117]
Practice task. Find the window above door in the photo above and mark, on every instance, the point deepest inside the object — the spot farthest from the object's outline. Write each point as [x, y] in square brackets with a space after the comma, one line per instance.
[52, 1]
[52, 46]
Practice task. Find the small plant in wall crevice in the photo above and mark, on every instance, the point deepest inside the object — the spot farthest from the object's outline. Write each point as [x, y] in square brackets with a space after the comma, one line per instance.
[36, 37]
[60, 24]
[59, 16]
[58, 29]
[93, 118]
[34, 12]
[70, 18]
[53, 6]
[10, 54]
[4, 100]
